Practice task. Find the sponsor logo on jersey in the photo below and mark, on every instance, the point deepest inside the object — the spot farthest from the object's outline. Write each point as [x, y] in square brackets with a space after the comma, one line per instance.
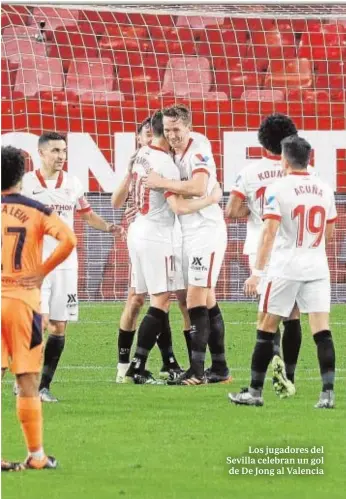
[61, 207]
[203, 159]
[270, 203]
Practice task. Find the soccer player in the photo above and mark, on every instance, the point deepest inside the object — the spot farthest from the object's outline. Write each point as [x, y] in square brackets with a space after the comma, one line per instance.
[247, 199]
[24, 223]
[63, 193]
[135, 301]
[204, 243]
[150, 242]
[299, 214]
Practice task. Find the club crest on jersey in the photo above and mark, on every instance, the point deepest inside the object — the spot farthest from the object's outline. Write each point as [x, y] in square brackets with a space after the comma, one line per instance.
[203, 159]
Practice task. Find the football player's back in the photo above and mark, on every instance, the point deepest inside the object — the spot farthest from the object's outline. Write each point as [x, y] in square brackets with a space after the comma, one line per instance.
[22, 240]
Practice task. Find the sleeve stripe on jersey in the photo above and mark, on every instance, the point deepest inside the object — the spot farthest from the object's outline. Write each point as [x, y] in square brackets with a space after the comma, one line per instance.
[332, 220]
[238, 194]
[167, 194]
[201, 170]
[272, 217]
[85, 210]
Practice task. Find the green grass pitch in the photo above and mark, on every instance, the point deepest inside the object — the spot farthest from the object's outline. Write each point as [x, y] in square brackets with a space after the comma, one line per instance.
[161, 442]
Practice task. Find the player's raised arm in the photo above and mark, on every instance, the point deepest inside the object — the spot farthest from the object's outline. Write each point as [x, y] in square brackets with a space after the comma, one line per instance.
[236, 207]
[236, 204]
[181, 206]
[144, 136]
[121, 194]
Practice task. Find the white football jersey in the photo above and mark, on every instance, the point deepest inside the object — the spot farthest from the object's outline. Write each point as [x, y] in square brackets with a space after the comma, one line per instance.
[152, 205]
[251, 184]
[200, 138]
[198, 157]
[63, 195]
[303, 204]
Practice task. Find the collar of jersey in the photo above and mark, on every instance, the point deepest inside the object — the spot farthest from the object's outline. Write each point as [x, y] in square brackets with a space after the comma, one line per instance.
[186, 149]
[43, 182]
[157, 148]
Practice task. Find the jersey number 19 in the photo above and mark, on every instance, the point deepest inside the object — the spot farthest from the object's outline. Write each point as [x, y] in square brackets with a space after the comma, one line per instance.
[311, 219]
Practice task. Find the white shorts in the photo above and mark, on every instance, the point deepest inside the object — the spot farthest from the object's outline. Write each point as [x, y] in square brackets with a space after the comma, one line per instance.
[179, 276]
[59, 297]
[203, 254]
[280, 296]
[152, 266]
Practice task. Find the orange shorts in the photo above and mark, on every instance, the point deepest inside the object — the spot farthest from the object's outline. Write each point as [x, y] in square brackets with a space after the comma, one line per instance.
[21, 337]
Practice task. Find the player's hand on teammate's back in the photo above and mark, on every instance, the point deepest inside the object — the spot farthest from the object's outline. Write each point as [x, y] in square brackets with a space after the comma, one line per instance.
[153, 180]
[32, 281]
[251, 286]
[216, 193]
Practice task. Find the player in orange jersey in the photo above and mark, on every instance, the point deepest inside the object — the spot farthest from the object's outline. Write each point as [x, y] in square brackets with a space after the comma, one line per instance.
[24, 223]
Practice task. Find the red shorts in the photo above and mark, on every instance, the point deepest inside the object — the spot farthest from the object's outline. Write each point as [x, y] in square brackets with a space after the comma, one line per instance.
[21, 337]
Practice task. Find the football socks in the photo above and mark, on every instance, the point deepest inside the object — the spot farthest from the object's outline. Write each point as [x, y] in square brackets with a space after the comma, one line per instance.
[291, 341]
[326, 358]
[148, 331]
[29, 413]
[261, 357]
[52, 353]
[216, 340]
[200, 331]
[164, 342]
[125, 340]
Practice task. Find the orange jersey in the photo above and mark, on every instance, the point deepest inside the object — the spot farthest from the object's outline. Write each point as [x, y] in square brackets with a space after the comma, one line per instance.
[24, 222]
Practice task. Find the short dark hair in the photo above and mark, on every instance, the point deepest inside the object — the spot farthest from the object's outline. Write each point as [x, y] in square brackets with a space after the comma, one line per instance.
[144, 124]
[296, 151]
[12, 167]
[273, 129]
[46, 137]
[157, 124]
[178, 112]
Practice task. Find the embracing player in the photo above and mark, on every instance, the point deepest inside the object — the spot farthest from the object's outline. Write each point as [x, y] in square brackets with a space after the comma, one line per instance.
[300, 214]
[204, 240]
[151, 243]
[64, 194]
[135, 301]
